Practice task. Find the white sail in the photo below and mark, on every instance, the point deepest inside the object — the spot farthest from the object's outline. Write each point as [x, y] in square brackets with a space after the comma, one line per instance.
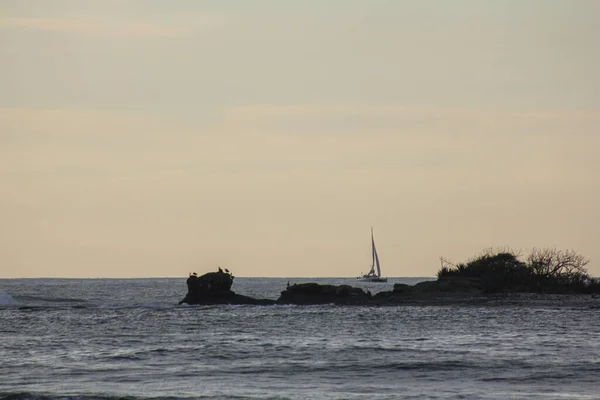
[374, 255]
[373, 276]
[377, 260]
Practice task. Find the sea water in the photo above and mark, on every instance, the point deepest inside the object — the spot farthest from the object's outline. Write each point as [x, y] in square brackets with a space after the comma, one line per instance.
[113, 338]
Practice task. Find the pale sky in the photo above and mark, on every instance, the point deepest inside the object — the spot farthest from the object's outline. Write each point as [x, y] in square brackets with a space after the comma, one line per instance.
[156, 138]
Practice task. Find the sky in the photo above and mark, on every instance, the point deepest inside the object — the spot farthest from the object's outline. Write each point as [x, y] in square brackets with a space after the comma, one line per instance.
[153, 138]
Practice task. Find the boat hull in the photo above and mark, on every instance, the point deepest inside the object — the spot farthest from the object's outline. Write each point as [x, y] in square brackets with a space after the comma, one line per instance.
[371, 279]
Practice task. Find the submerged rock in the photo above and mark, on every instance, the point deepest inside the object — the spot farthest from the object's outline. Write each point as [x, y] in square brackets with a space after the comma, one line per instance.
[215, 288]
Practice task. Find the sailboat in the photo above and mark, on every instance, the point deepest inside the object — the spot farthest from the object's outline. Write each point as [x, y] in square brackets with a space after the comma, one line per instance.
[374, 275]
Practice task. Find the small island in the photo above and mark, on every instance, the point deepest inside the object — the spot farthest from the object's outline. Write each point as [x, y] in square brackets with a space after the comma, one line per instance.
[545, 276]
[215, 288]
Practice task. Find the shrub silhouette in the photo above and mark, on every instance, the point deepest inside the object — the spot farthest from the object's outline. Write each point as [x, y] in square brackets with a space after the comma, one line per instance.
[545, 270]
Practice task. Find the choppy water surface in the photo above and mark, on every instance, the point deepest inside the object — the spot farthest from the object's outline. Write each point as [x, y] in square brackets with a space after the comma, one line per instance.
[128, 338]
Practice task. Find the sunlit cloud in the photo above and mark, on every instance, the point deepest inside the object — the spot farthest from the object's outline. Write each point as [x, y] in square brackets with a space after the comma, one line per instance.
[112, 27]
[259, 111]
[86, 167]
[72, 122]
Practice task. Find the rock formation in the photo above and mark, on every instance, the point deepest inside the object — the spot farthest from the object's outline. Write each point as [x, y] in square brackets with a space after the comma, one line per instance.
[215, 288]
[313, 293]
[442, 291]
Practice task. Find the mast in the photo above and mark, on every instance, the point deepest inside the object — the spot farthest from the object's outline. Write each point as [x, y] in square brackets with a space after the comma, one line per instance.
[372, 271]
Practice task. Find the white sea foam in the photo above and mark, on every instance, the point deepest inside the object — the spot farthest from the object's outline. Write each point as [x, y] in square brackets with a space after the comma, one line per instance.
[5, 298]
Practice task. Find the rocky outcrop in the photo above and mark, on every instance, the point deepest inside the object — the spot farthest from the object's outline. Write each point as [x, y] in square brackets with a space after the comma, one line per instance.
[451, 290]
[451, 285]
[442, 291]
[314, 293]
[448, 290]
[215, 288]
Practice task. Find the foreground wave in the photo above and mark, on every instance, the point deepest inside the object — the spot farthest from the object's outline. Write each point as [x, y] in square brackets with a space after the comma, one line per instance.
[41, 396]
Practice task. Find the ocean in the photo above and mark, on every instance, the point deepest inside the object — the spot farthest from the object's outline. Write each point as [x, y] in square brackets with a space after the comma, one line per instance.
[128, 338]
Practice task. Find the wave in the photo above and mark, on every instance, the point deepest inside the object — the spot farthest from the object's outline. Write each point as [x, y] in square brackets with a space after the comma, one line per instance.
[157, 305]
[5, 298]
[45, 303]
[308, 367]
[53, 299]
[69, 396]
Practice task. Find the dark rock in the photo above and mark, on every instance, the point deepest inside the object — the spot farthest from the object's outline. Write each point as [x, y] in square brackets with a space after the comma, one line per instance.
[314, 293]
[451, 290]
[402, 288]
[467, 286]
[215, 288]
[383, 298]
